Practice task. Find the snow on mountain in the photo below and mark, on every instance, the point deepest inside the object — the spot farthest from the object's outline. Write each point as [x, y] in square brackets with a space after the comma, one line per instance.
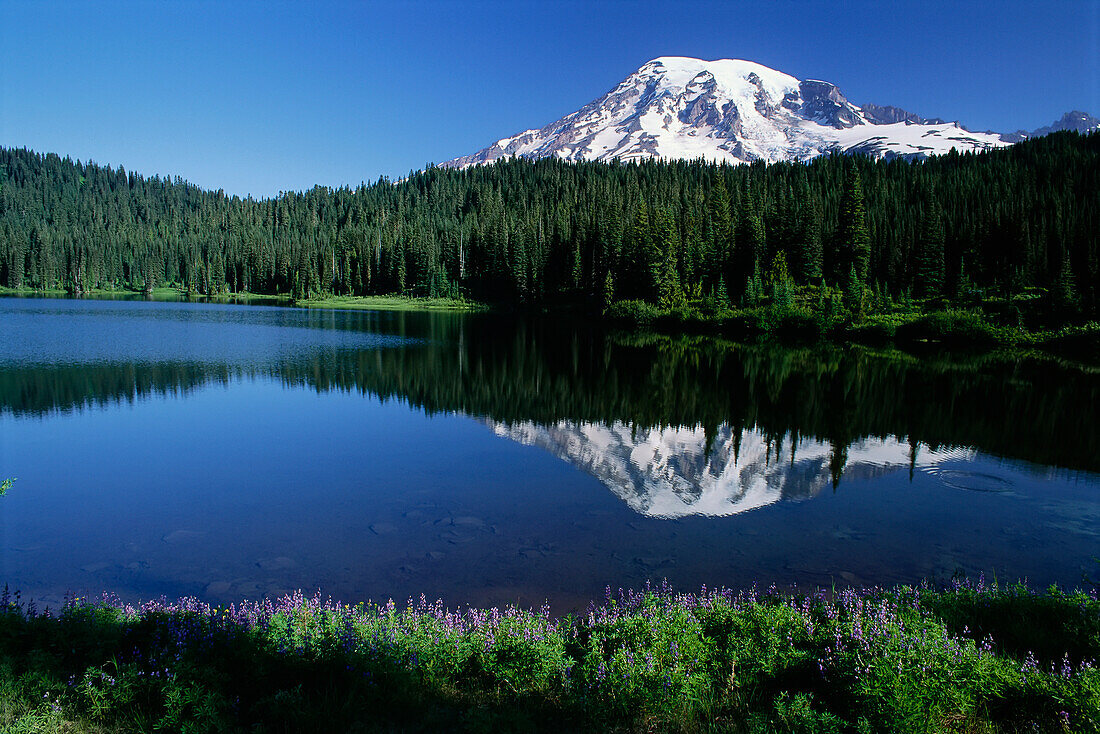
[669, 472]
[732, 111]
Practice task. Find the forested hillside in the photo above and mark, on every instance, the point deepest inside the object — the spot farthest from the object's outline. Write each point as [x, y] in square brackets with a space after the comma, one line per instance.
[996, 223]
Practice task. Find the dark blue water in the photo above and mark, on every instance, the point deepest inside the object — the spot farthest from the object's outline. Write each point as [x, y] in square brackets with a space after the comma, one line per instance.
[233, 451]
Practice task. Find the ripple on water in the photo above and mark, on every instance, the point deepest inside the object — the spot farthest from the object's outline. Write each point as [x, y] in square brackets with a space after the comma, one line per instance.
[974, 481]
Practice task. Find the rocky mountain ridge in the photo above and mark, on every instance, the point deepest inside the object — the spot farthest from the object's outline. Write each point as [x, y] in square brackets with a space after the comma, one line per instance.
[738, 111]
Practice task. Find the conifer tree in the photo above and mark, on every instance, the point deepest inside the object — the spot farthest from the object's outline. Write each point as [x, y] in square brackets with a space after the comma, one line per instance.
[665, 276]
[750, 234]
[853, 238]
[930, 255]
[718, 229]
[779, 280]
[806, 251]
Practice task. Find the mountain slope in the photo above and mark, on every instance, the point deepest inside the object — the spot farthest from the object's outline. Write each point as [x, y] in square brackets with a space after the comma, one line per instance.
[733, 111]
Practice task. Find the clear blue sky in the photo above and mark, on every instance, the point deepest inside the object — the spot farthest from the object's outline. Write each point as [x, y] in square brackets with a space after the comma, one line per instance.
[263, 97]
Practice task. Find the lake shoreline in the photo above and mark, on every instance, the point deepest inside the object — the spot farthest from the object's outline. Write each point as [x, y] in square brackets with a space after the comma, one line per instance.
[925, 658]
[378, 303]
[959, 330]
[953, 328]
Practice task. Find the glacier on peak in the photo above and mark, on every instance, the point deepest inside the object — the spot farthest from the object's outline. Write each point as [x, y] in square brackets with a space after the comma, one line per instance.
[733, 111]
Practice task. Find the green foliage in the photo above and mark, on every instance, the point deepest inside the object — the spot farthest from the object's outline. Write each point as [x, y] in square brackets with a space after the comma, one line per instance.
[853, 239]
[930, 255]
[6, 485]
[855, 291]
[633, 313]
[779, 283]
[806, 249]
[393, 303]
[721, 294]
[963, 227]
[875, 329]
[955, 327]
[754, 289]
[969, 657]
[718, 233]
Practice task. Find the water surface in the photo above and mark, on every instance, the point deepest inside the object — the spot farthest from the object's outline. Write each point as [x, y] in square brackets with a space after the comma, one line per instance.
[237, 451]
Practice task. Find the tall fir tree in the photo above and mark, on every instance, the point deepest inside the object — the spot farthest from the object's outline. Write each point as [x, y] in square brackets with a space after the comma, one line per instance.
[929, 248]
[853, 238]
[806, 250]
[718, 238]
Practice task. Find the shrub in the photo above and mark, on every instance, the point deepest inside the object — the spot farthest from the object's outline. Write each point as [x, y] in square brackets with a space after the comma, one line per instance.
[632, 313]
[796, 322]
[953, 327]
[963, 658]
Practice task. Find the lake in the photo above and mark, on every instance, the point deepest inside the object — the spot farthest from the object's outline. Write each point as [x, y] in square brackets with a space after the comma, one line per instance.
[234, 451]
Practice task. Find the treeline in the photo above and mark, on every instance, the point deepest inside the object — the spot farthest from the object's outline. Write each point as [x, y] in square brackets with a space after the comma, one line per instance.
[667, 232]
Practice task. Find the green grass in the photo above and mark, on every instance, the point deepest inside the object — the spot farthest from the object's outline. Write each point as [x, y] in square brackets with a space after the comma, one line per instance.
[391, 303]
[158, 293]
[25, 291]
[814, 318]
[376, 303]
[966, 658]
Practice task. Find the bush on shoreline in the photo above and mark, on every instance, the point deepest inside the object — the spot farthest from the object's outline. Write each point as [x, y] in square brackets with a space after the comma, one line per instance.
[970, 657]
[821, 315]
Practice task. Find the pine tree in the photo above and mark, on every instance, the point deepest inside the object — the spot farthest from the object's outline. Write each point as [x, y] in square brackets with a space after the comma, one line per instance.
[718, 236]
[1064, 294]
[666, 279]
[639, 257]
[750, 235]
[853, 238]
[806, 251]
[779, 281]
[854, 292]
[930, 255]
[721, 294]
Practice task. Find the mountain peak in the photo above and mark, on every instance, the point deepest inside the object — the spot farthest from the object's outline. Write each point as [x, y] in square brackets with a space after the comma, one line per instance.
[738, 111]
[679, 69]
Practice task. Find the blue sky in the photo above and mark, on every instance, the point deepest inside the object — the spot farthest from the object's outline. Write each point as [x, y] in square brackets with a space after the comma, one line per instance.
[264, 97]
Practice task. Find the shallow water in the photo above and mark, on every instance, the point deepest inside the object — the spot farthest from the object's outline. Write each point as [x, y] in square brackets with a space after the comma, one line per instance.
[233, 451]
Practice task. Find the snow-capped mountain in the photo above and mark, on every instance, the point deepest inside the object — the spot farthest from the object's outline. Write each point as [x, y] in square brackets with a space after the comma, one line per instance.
[735, 111]
[668, 472]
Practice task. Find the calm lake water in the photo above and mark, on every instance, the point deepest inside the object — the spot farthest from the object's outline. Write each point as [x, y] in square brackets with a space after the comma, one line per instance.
[231, 452]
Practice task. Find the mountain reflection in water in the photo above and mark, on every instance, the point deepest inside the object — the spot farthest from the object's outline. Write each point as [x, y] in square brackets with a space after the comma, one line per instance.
[676, 472]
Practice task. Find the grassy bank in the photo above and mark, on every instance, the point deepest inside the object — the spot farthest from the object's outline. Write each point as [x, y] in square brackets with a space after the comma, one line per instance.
[391, 303]
[812, 314]
[969, 658]
[163, 293]
[376, 303]
[953, 326]
[156, 293]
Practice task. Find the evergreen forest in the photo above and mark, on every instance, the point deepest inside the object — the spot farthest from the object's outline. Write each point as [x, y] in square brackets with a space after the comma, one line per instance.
[1019, 222]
